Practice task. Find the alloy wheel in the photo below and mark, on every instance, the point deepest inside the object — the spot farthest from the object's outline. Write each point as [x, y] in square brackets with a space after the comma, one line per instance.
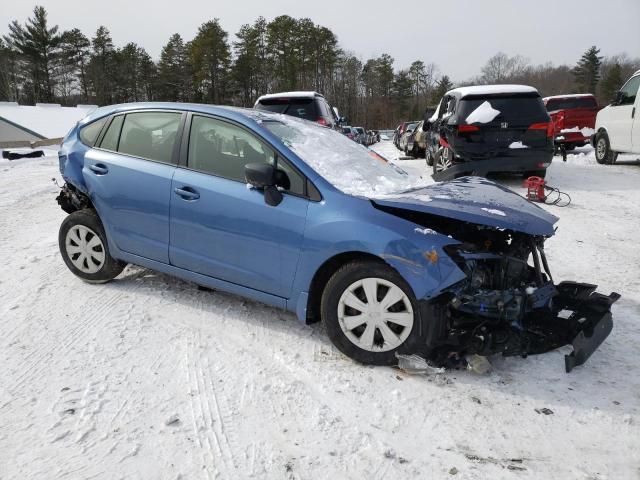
[444, 162]
[375, 314]
[601, 148]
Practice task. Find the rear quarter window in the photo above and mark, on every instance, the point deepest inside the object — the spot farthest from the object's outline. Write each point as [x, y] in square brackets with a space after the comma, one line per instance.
[514, 109]
[89, 133]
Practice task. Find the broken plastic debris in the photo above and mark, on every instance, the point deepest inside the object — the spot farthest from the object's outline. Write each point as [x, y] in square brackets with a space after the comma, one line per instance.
[416, 365]
[478, 364]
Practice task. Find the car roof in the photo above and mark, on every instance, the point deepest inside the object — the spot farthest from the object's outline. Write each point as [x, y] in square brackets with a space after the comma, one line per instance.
[490, 90]
[234, 113]
[570, 95]
[301, 94]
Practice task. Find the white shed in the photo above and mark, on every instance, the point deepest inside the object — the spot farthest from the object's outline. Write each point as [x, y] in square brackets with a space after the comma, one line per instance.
[39, 122]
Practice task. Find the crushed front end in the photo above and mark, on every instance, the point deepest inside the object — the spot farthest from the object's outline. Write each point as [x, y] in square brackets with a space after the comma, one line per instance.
[509, 304]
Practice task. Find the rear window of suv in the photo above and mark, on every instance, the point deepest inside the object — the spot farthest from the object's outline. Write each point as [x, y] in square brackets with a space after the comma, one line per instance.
[514, 109]
[304, 108]
[570, 102]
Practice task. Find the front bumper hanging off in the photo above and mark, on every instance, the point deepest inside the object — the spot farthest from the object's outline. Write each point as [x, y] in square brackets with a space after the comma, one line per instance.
[589, 321]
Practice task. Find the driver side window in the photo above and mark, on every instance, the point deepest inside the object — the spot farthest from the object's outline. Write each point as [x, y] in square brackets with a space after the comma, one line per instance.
[629, 91]
[223, 149]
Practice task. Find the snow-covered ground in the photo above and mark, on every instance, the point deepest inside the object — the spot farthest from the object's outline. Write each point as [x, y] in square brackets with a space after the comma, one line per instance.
[148, 377]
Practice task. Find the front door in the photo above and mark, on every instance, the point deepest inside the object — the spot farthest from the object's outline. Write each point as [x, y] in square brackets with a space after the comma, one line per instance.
[620, 117]
[222, 228]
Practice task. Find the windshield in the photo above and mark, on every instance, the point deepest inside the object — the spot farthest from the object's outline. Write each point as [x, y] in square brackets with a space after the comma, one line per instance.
[296, 107]
[348, 166]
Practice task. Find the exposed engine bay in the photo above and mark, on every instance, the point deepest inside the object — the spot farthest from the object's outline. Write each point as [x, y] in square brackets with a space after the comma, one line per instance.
[509, 303]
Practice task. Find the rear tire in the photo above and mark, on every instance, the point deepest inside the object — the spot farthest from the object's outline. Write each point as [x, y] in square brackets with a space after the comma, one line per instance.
[375, 337]
[604, 154]
[84, 249]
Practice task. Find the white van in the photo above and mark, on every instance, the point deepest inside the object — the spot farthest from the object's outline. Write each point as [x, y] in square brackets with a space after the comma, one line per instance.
[618, 124]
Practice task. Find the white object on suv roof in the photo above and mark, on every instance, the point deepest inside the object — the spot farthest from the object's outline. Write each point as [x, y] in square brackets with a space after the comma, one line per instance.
[485, 113]
[491, 90]
[290, 94]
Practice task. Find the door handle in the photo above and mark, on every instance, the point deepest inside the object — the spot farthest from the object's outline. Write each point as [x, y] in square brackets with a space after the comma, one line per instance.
[187, 193]
[99, 169]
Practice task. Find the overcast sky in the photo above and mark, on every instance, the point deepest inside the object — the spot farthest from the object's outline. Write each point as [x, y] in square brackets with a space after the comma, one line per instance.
[458, 35]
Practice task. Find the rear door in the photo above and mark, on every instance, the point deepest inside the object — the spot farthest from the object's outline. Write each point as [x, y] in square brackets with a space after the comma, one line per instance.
[129, 177]
[219, 226]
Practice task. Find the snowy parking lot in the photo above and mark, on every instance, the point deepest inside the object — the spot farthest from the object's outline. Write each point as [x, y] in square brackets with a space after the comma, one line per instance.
[149, 377]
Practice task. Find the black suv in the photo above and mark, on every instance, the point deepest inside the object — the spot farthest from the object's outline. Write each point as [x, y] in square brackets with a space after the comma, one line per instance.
[307, 105]
[492, 128]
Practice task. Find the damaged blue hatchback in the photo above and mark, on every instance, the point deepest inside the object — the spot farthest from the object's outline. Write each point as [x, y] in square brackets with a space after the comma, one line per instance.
[294, 215]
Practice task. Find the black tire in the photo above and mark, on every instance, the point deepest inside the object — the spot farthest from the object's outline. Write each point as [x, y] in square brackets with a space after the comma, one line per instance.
[338, 283]
[535, 173]
[428, 157]
[110, 267]
[604, 154]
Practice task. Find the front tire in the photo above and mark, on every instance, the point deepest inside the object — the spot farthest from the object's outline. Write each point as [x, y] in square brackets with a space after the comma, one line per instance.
[370, 313]
[84, 249]
[604, 154]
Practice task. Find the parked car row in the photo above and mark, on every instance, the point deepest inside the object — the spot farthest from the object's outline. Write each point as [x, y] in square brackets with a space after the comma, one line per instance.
[361, 136]
[510, 128]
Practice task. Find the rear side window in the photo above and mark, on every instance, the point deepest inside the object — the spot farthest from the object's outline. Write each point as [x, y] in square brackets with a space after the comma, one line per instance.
[150, 135]
[110, 139]
[554, 104]
[516, 110]
[296, 107]
[89, 133]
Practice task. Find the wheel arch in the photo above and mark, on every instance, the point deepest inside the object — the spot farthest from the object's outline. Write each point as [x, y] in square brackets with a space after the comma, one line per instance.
[325, 272]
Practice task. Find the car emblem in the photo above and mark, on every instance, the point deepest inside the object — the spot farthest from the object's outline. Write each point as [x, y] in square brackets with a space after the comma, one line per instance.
[504, 125]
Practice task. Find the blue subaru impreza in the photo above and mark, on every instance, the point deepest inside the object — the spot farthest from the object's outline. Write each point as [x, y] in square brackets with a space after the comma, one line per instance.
[294, 215]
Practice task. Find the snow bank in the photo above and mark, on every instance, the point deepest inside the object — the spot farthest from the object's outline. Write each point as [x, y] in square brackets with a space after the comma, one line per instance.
[484, 113]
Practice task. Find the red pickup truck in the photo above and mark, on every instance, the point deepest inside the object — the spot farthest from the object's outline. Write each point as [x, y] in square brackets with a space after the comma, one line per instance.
[574, 119]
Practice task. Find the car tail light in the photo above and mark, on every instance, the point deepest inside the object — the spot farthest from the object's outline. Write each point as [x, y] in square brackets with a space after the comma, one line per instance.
[558, 121]
[468, 128]
[322, 121]
[547, 126]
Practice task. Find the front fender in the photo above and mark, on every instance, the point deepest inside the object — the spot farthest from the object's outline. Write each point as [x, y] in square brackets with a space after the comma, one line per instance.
[416, 253]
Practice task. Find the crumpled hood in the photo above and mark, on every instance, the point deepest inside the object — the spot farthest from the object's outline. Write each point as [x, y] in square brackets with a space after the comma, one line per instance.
[475, 200]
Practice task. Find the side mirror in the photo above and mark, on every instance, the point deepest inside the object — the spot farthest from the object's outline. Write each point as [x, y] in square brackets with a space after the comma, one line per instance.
[617, 98]
[265, 177]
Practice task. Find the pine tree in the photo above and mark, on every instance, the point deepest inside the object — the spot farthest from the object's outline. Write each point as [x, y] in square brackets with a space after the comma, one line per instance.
[442, 86]
[174, 75]
[102, 68]
[211, 57]
[75, 52]
[37, 47]
[612, 82]
[587, 72]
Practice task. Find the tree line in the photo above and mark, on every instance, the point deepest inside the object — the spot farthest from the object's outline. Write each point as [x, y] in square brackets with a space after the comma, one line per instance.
[40, 63]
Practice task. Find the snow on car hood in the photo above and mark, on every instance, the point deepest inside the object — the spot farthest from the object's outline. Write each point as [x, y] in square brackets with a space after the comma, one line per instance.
[475, 200]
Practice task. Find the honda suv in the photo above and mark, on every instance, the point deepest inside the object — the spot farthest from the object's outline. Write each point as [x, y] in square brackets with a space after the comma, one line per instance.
[306, 105]
[492, 128]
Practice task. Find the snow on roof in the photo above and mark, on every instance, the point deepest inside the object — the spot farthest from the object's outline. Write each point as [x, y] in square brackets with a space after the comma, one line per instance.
[46, 121]
[289, 94]
[491, 90]
[569, 95]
